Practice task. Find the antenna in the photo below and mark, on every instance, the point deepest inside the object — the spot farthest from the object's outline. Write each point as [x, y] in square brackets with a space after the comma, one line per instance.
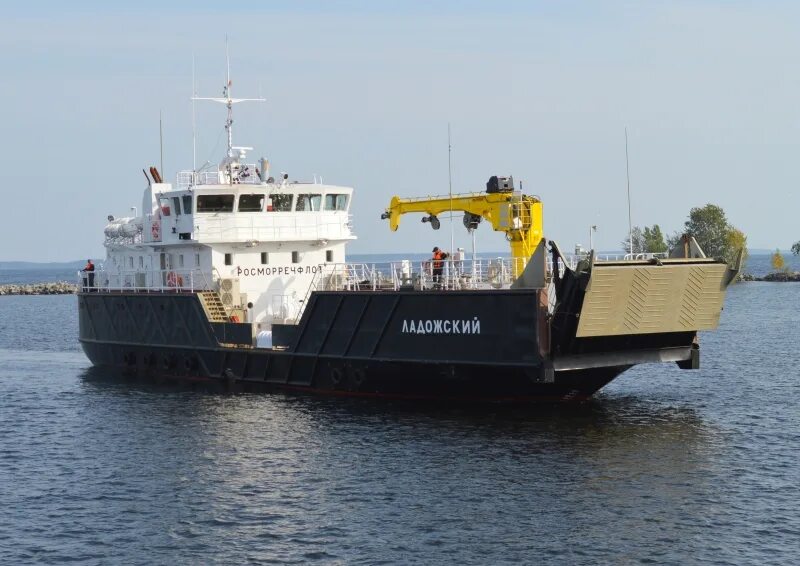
[628, 178]
[161, 141]
[450, 186]
[194, 125]
[228, 100]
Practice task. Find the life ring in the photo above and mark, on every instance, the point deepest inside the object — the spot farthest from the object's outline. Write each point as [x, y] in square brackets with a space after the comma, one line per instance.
[172, 279]
[155, 230]
[234, 318]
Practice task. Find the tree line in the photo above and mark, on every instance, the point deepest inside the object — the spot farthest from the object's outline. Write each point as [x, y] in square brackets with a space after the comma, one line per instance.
[708, 225]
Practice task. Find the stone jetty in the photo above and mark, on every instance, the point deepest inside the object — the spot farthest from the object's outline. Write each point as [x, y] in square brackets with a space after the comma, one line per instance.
[779, 276]
[53, 288]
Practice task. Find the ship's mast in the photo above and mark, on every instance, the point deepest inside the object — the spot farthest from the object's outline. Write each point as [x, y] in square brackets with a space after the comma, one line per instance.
[228, 100]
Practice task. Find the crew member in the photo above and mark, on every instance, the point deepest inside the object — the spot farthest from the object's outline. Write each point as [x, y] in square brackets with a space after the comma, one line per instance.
[89, 277]
[437, 264]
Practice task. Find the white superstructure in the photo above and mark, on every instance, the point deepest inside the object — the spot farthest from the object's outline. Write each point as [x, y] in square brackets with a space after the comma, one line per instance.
[258, 240]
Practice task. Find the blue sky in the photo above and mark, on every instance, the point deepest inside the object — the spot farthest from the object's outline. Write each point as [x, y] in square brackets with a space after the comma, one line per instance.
[361, 94]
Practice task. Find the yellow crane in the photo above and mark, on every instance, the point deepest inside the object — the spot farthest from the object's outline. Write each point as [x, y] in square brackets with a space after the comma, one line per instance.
[518, 216]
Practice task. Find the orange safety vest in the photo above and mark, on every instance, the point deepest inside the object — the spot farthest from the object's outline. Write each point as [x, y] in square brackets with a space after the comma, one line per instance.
[437, 259]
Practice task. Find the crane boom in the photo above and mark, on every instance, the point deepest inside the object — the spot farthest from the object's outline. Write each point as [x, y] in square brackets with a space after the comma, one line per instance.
[518, 216]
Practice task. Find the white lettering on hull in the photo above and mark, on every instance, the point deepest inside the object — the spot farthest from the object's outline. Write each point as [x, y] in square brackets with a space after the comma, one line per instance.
[440, 326]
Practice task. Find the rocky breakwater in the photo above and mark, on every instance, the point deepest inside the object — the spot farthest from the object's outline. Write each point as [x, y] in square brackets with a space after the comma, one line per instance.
[55, 288]
[779, 276]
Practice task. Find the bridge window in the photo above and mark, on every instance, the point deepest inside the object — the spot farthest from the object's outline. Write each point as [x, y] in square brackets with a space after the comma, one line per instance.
[309, 203]
[329, 255]
[187, 204]
[280, 203]
[164, 204]
[251, 203]
[215, 203]
[335, 202]
[176, 202]
[264, 258]
[228, 259]
[295, 257]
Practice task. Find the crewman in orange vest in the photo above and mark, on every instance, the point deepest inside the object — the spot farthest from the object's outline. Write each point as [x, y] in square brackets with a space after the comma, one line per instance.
[89, 279]
[438, 267]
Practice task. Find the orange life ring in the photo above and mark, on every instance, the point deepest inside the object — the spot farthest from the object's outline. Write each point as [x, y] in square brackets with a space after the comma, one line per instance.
[172, 279]
[234, 318]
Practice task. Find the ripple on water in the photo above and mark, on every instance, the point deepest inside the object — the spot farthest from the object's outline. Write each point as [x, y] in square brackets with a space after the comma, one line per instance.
[663, 466]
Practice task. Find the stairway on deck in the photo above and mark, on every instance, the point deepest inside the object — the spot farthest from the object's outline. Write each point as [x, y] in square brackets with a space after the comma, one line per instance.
[213, 306]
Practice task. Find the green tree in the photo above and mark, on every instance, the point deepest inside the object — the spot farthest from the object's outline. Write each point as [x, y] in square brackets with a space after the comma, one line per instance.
[714, 234]
[778, 264]
[647, 240]
[638, 241]
[709, 226]
[654, 240]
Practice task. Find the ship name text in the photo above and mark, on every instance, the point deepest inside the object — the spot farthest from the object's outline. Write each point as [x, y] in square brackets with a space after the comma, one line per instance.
[442, 326]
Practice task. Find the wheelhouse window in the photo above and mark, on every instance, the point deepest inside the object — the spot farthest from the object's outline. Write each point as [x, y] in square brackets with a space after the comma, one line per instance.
[164, 204]
[329, 256]
[309, 203]
[187, 204]
[335, 202]
[280, 203]
[228, 259]
[251, 203]
[295, 257]
[264, 258]
[176, 202]
[214, 203]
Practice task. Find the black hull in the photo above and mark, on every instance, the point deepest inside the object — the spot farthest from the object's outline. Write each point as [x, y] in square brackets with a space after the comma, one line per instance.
[260, 371]
[357, 344]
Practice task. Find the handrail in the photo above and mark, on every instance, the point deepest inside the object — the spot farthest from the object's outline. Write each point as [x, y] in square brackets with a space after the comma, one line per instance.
[154, 280]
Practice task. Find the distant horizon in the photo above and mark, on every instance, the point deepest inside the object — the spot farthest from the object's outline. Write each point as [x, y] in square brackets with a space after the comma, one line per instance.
[17, 264]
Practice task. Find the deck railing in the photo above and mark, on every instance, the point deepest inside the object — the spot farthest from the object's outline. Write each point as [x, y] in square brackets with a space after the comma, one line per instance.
[146, 281]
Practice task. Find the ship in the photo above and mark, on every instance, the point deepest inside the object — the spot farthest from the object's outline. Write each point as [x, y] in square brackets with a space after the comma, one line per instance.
[237, 278]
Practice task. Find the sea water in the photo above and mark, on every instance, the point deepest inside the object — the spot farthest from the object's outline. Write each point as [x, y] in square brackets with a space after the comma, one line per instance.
[663, 465]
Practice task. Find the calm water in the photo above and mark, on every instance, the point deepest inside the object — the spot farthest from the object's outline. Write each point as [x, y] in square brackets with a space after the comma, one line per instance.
[664, 466]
